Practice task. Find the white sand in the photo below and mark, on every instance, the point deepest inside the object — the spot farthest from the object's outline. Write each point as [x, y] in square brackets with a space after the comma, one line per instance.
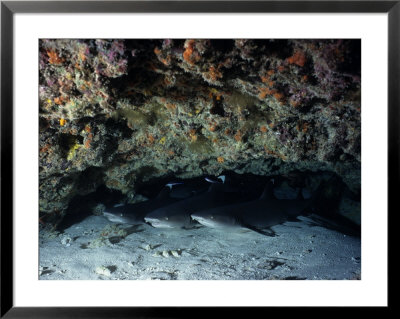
[298, 252]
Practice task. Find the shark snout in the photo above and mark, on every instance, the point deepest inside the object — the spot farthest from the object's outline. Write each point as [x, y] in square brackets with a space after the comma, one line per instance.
[196, 217]
[151, 220]
[112, 217]
[158, 223]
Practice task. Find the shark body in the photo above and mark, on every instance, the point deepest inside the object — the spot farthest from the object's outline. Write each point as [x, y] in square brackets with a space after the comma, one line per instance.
[178, 214]
[134, 214]
[257, 215]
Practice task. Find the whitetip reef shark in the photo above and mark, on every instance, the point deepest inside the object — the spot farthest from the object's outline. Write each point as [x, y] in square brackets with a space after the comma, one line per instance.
[134, 214]
[177, 215]
[258, 215]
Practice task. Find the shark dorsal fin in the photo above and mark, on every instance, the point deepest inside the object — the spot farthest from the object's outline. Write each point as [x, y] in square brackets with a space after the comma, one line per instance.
[222, 178]
[171, 185]
[268, 191]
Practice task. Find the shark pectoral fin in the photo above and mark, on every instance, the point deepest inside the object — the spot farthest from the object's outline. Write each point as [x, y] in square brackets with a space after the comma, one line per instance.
[293, 219]
[266, 231]
[134, 229]
[245, 230]
[192, 227]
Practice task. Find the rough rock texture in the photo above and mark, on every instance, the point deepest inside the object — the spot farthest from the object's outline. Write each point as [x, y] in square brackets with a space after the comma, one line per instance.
[119, 113]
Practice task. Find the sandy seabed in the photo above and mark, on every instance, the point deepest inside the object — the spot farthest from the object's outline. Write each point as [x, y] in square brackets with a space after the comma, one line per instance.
[95, 249]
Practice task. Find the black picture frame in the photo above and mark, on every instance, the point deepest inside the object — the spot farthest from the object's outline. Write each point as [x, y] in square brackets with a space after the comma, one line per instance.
[9, 8]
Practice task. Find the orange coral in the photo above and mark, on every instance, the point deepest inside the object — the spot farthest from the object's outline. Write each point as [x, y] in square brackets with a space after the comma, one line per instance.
[82, 56]
[190, 55]
[220, 159]
[264, 78]
[45, 148]
[214, 73]
[297, 58]
[294, 103]
[267, 78]
[89, 140]
[193, 135]
[166, 61]
[54, 58]
[187, 54]
[238, 136]
[151, 138]
[63, 122]
[303, 127]
[264, 92]
[279, 96]
[157, 51]
[58, 100]
[275, 154]
[263, 129]
[170, 106]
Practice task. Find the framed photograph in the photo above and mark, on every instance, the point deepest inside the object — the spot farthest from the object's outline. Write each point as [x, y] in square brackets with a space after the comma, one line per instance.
[158, 156]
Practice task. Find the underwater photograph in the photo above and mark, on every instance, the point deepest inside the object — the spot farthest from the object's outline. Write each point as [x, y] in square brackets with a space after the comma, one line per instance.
[199, 159]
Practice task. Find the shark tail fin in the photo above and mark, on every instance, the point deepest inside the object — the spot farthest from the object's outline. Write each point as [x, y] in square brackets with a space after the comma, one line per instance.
[326, 199]
[266, 231]
[268, 191]
[325, 208]
[339, 223]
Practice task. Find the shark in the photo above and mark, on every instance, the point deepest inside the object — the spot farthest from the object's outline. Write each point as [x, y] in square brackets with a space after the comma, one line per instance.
[134, 214]
[257, 215]
[177, 215]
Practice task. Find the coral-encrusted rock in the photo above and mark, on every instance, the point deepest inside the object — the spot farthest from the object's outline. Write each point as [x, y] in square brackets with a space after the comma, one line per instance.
[121, 112]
